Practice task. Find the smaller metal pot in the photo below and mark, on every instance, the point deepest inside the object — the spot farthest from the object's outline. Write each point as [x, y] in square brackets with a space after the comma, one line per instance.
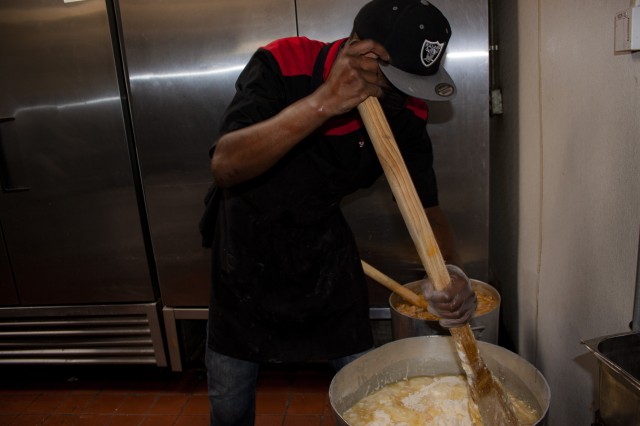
[485, 327]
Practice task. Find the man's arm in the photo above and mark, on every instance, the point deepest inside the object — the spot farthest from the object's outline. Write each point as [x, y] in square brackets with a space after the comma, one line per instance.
[246, 153]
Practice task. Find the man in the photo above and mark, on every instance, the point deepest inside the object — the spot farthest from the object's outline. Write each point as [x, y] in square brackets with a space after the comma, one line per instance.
[287, 285]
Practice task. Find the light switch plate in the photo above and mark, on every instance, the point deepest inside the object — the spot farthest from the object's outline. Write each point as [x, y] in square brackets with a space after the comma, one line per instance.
[627, 30]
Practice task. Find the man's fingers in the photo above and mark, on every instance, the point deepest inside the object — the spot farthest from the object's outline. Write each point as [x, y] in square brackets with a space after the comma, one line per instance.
[370, 49]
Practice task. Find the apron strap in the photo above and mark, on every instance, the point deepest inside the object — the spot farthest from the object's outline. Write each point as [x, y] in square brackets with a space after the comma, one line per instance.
[318, 68]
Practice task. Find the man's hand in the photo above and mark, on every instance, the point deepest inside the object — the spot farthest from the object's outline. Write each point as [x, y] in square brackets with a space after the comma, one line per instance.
[456, 304]
[354, 76]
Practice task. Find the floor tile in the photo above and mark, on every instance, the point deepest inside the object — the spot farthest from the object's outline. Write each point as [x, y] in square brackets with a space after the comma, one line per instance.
[302, 420]
[328, 409]
[159, 420]
[328, 420]
[271, 403]
[46, 402]
[90, 385]
[73, 420]
[137, 404]
[279, 380]
[118, 396]
[192, 421]
[269, 420]
[126, 420]
[169, 404]
[307, 403]
[103, 403]
[16, 404]
[6, 419]
[74, 403]
[92, 420]
[29, 420]
[312, 381]
[197, 404]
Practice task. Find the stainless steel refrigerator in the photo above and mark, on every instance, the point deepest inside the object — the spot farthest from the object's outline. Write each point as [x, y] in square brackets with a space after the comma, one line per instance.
[76, 275]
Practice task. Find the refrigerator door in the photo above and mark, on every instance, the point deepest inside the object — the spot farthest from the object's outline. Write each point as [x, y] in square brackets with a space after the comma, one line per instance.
[68, 208]
[8, 293]
[459, 131]
[183, 59]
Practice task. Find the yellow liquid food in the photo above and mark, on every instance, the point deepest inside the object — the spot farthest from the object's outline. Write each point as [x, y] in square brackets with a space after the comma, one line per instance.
[486, 303]
[420, 401]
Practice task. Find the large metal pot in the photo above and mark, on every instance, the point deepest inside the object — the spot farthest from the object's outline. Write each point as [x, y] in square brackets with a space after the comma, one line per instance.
[432, 356]
[485, 327]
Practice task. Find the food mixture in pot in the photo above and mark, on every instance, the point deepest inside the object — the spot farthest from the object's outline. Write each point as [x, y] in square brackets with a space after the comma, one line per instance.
[486, 303]
[422, 401]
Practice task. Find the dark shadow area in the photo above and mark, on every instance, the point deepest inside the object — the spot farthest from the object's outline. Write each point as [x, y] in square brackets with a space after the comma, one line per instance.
[504, 168]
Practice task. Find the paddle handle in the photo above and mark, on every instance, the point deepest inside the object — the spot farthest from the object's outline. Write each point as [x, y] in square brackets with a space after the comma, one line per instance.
[393, 285]
[404, 191]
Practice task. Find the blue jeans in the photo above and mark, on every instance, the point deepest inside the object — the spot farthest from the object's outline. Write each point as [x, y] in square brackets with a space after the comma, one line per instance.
[232, 387]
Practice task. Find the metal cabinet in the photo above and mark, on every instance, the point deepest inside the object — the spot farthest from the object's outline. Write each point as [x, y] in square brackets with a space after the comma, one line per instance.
[69, 209]
[8, 293]
[183, 59]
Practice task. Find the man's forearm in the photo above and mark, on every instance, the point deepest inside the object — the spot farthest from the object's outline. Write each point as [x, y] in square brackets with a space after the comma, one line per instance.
[246, 153]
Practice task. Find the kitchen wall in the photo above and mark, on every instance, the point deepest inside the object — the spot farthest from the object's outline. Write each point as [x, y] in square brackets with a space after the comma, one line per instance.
[565, 201]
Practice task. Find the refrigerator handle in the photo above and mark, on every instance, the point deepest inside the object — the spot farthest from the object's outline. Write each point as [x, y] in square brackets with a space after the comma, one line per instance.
[5, 175]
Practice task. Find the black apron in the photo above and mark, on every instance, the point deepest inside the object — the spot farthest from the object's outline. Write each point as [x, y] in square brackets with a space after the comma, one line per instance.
[287, 285]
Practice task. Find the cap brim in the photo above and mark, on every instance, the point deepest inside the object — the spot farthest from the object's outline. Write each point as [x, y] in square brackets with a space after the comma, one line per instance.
[436, 87]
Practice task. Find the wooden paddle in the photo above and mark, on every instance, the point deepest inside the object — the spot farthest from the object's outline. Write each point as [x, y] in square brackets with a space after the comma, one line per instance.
[493, 404]
[394, 286]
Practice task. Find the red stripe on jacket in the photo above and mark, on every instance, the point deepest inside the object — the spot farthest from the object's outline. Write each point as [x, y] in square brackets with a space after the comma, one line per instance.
[341, 126]
[418, 107]
[295, 55]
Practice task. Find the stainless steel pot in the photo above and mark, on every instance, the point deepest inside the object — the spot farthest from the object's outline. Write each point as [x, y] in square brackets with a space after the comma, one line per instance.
[618, 356]
[432, 356]
[485, 327]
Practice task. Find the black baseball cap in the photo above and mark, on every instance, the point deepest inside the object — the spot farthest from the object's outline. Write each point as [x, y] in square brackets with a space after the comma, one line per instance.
[416, 34]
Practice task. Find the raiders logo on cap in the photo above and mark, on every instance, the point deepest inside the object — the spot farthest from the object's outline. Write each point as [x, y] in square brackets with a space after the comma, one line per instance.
[430, 52]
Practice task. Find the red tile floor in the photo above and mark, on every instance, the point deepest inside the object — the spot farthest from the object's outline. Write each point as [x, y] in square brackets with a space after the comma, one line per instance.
[150, 396]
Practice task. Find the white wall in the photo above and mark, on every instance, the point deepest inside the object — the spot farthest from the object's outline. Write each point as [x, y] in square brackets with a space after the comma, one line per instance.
[565, 188]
